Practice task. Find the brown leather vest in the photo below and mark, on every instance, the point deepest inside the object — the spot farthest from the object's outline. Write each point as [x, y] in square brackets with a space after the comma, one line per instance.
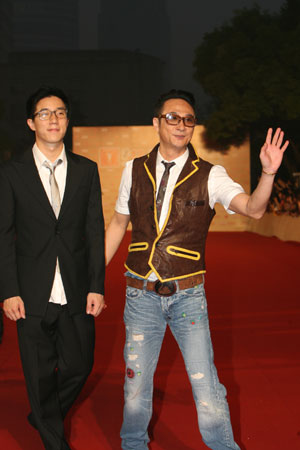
[176, 251]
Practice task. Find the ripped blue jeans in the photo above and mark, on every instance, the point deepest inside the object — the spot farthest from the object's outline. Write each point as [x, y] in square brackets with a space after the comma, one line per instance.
[146, 316]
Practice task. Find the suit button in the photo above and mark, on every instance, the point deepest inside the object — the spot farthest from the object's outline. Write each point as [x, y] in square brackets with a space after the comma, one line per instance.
[153, 227]
[57, 231]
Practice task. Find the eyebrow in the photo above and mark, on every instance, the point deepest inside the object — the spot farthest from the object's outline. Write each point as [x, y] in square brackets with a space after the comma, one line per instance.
[47, 109]
[177, 113]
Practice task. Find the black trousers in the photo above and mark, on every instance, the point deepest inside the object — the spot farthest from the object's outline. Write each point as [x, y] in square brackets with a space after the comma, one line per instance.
[57, 353]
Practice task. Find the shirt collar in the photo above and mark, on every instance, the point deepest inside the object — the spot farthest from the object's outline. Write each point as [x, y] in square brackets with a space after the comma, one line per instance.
[40, 158]
[180, 161]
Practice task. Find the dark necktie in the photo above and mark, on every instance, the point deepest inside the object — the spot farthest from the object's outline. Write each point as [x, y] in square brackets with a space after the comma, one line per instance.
[163, 187]
[55, 195]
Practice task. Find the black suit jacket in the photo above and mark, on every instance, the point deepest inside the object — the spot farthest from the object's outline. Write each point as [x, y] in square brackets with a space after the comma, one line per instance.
[31, 237]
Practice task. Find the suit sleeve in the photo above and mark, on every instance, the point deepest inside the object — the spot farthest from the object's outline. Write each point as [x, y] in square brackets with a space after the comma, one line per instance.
[95, 236]
[9, 286]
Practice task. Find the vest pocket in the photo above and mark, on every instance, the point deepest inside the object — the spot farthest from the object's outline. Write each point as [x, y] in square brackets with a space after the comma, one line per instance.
[183, 252]
[138, 246]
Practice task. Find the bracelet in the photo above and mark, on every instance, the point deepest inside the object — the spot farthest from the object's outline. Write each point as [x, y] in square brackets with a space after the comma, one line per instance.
[269, 173]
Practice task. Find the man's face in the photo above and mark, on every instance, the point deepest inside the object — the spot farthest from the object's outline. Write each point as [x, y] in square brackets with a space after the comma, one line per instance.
[52, 130]
[175, 137]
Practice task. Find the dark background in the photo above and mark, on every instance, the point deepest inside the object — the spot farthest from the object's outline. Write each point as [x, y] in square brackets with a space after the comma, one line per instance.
[113, 57]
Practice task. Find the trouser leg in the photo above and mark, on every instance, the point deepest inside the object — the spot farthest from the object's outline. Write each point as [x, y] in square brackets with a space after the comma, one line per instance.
[75, 350]
[48, 358]
[145, 328]
[190, 326]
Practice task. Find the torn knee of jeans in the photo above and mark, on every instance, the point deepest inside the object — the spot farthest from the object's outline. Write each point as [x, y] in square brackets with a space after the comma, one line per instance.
[197, 376]
[132, 357]
[204, 403]
[138, 337]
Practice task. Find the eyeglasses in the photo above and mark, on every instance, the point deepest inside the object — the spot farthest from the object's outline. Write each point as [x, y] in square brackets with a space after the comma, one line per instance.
[175, 119]
[45, 114]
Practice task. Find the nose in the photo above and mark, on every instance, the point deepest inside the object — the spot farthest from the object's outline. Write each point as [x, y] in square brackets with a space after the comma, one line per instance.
[53, 117]
[180, 125]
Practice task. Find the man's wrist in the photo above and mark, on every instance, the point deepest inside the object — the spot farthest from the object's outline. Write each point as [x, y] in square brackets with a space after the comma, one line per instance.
[268, 173]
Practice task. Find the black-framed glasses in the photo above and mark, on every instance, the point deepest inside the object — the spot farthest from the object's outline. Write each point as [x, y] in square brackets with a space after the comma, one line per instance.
[175, 119]
[45, 114]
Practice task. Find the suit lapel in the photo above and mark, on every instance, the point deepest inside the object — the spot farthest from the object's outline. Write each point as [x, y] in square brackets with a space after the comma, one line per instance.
[29, 174]
[72, 182]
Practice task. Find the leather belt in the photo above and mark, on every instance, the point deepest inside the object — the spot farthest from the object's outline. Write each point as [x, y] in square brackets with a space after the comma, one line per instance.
[166, 288]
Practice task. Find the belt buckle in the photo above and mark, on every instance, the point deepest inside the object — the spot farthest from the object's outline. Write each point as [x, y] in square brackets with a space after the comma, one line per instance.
[161, 286]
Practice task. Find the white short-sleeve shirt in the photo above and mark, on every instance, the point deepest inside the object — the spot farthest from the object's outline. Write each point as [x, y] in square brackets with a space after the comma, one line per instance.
[221, 188]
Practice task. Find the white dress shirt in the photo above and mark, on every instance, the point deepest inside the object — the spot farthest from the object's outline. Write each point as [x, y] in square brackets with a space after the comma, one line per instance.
[58, 293]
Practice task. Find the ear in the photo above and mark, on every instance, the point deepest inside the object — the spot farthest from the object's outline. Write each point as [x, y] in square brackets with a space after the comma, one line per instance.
[155, 122]
[31, 124]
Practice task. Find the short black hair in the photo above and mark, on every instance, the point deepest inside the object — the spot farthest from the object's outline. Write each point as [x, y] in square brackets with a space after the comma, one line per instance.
[43, 92]
[173, 93]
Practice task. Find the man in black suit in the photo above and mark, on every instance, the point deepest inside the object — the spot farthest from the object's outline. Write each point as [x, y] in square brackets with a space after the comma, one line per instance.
[52, 263]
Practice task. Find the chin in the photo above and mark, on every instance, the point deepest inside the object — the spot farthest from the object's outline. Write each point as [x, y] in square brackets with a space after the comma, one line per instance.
[181, 145]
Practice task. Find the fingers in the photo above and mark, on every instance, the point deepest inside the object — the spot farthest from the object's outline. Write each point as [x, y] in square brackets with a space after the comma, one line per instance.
[285, 146]
[96, 310]
[277, 138]
[269, 136]
[22, 310]
[264, 147]
[12, 314]
[88, 308]
[14, 308]
[95, 304]
[100, 309]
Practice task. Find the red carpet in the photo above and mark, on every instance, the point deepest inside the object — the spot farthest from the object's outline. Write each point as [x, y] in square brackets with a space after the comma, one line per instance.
[252, 287]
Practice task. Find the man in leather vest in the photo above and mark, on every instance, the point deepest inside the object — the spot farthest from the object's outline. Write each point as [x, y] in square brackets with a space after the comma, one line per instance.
[169, 197]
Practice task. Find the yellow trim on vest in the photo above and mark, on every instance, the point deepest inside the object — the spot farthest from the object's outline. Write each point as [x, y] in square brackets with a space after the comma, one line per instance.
[141, 246]
[176, 185]
[138, 274]
[176, 278]
[160, 232]
[161, 279]
[154, 194]
[183, 252]
[183, 276]
[190, 174]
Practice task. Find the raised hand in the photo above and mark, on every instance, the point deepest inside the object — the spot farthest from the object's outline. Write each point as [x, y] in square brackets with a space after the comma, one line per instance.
[272, 151]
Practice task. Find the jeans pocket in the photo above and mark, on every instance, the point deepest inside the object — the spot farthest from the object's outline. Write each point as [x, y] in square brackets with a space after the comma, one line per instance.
[196, 298]
[133, 293]
[193, 291]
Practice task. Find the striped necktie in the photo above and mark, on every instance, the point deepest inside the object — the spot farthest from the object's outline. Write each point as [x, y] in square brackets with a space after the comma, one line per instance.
[55, 195]
[163, 187]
